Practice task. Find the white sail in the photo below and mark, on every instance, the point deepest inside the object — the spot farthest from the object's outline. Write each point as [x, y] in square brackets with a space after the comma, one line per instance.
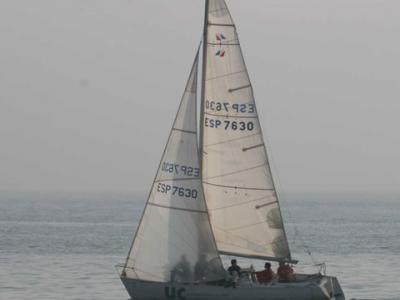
[238, 185]
[174, 241]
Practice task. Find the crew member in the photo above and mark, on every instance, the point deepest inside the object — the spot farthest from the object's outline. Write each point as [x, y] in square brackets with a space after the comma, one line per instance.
[266, 275]
[284, 272]
[234, 272]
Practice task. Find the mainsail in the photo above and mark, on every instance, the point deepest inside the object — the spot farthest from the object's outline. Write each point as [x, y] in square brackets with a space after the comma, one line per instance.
[174, 241]
[238, 185]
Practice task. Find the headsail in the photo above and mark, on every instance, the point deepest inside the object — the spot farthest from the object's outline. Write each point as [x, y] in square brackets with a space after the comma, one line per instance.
[238, 185]
[174, 241]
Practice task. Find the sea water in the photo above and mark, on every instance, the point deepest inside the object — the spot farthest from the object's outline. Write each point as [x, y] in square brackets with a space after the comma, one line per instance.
[64, 245]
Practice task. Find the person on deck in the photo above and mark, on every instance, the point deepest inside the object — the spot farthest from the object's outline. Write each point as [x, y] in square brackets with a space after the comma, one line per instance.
[266, 275]
[200, 268]
[234, 271]
[285, 272]
[181, 272]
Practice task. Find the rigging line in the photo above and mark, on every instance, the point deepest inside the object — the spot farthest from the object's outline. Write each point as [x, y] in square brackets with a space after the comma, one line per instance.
[178, 208]
[282, 197]
[304, 246]
[236, 172]
[237, 187]
[234, 140]
[176, 179]
[240, 204]
[230, 116]
[245, 226]
[225, 75]
[133, 270]
[185, 131]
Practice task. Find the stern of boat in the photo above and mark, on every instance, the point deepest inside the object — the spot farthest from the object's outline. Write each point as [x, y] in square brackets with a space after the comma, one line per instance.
[331, 288]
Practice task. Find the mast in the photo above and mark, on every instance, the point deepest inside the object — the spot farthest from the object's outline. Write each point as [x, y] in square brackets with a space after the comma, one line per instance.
[203, 81]
[202, 101]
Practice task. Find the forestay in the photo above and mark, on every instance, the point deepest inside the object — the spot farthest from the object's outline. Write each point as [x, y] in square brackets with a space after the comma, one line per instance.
[238, 185]
[174, 241]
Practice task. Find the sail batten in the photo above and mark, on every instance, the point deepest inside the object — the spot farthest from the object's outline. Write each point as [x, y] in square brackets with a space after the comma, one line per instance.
[235, 168]
[237, 187]
[178, 208]
[185, 131]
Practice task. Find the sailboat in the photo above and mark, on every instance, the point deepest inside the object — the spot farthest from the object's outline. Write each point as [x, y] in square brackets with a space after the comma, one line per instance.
[213, 194]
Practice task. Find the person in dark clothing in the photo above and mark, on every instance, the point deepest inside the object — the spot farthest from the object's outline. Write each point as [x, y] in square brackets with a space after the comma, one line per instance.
[234, 267]
[234, 271]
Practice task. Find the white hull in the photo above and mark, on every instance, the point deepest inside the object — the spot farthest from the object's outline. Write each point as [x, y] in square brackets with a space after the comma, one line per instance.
[316, 288]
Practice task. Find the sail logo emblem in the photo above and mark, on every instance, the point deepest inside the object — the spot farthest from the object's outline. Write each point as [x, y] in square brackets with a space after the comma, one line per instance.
[221, 52]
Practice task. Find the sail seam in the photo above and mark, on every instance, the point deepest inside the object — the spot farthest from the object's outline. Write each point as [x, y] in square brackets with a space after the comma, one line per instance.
[225, 75]
[176, 179]
[242, 238]
[178, 208]
[230, 116]
[176, 231]
[237, 172]
[237, 187]
[238, 246]
[233, 140]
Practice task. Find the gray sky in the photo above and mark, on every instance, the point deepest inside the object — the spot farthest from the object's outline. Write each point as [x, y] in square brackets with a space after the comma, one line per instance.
[89, 89]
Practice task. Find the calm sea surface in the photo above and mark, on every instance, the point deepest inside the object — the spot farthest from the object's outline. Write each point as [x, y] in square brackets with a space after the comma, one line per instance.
[65, 245]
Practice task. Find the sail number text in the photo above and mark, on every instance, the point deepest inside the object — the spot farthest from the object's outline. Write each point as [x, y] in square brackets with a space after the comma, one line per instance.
[180, 169]
[228, 125]
[176, 191]
[230, 107]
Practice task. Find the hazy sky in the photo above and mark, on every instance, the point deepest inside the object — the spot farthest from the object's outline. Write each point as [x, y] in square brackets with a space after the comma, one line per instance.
[89, 89]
